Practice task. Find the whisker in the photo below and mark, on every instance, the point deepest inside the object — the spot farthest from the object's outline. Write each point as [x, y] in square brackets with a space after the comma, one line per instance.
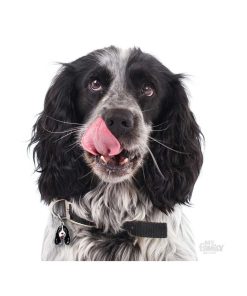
[62, 132]
[71, 146]
[66, 122]
[148, 110]
[65, 136]
[80, 156]
[162, 144]
[160, 130]
[155, 162]
[85, 175]
[160, 124]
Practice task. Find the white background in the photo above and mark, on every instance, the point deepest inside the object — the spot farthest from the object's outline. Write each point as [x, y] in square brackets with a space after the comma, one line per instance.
[205, 39]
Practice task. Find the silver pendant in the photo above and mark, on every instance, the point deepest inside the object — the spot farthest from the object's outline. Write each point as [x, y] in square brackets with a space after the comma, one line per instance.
[62, 235]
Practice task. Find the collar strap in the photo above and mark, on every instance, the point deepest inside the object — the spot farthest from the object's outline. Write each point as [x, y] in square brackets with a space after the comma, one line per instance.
[63, 210]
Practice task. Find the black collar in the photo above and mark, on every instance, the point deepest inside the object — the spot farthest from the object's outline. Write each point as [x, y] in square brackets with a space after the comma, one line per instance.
[63, 210]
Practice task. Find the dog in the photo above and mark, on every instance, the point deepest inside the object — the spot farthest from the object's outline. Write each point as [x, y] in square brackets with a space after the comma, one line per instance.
[118, 151]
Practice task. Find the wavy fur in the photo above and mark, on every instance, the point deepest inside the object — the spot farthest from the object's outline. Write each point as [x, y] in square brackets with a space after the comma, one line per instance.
[162, 183]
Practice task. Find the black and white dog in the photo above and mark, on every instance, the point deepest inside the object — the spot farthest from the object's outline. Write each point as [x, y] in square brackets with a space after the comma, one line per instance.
[115, 144]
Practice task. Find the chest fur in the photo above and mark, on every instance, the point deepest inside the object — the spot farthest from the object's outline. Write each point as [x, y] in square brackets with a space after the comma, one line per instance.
[109, 206]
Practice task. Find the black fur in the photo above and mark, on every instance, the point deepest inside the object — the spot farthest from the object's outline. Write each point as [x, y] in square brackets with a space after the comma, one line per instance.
[63, 171]
[180, 169]
[64, 174]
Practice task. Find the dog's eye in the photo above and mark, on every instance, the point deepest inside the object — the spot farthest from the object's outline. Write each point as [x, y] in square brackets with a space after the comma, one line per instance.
[95, 85]
[147, 90]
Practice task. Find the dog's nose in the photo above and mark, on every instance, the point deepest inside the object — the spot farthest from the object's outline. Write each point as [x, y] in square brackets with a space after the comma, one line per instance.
[119, 121]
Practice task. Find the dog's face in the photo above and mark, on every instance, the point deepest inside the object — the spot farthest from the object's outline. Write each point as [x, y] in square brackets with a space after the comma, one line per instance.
[125, 88]
[117, 115]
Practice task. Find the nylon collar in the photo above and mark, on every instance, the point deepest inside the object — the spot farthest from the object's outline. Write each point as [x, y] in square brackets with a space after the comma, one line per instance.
[63, 210]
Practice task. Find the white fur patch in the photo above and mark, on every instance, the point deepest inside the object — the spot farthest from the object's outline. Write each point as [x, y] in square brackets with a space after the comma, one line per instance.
[109, 206]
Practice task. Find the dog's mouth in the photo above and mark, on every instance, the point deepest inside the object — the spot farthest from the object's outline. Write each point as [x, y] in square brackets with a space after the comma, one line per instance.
[118, 162]
[112, 167]
[107, 155]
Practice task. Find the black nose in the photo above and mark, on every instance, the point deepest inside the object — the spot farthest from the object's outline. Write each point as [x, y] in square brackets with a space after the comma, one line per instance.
[119, 121]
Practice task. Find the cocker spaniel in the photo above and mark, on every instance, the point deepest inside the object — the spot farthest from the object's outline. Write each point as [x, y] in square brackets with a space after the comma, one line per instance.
[118, 151]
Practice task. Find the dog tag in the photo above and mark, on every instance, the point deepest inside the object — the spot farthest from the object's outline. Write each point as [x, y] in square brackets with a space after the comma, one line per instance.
[62, 235]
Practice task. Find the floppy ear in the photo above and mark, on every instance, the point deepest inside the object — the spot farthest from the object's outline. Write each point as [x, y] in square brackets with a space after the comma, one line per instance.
[58, 157]
[67, 237]
[57, 238]
[177, 150]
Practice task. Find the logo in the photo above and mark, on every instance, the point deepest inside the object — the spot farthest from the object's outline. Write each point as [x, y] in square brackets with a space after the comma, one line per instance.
[210, 247]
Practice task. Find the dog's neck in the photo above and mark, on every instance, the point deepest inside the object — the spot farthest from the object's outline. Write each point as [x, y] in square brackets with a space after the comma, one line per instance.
[110, 205]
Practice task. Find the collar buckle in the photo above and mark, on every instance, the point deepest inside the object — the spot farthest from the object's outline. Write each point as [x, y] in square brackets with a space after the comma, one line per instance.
[61, 209]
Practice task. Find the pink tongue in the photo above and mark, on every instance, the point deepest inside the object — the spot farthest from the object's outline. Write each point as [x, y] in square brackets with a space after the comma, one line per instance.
[99, 140]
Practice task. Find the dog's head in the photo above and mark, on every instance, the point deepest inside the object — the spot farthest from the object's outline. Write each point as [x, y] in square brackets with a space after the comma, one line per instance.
[117, 115]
